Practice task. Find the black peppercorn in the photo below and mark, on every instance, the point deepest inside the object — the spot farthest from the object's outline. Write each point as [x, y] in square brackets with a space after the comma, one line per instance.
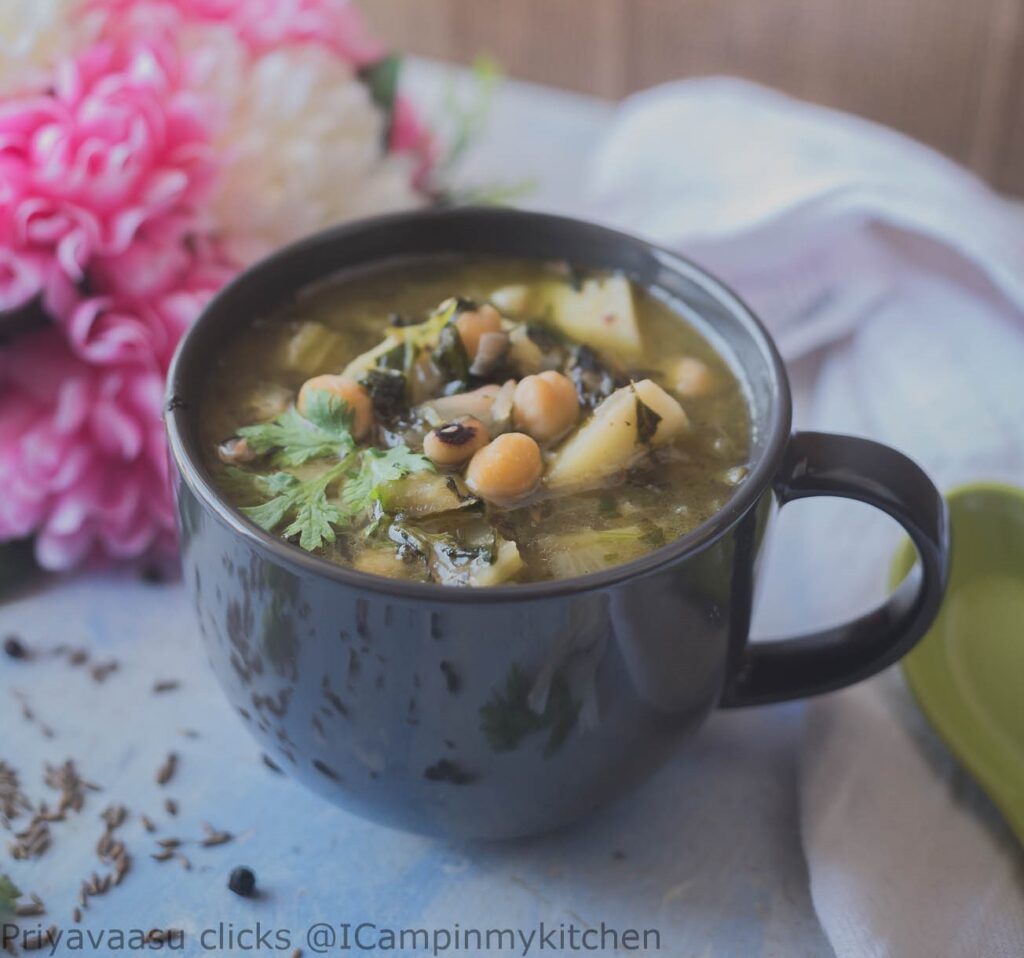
[242, 881]
[14, 648]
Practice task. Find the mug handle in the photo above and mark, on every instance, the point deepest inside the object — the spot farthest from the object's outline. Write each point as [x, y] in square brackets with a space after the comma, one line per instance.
[821, 464]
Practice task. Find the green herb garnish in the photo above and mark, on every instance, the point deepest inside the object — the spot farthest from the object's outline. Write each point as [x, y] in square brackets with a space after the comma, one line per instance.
[313, 516]
[377, 467]
[323, 430]
[450, 355]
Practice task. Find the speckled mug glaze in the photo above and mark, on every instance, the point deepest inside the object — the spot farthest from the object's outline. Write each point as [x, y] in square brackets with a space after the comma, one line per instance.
[518, 709]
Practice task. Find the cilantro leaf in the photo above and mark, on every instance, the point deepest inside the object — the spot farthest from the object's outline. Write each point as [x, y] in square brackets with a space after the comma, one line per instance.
[294, 438]
[377, 467]
[313, 522]
[269, 515]
[312, 515]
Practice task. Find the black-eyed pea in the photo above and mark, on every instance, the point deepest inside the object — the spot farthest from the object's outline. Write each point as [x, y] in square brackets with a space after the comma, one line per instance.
[455, 442]
[692, 378]
[350, 392]
[473, 323]
[545, 405]
[506, 469]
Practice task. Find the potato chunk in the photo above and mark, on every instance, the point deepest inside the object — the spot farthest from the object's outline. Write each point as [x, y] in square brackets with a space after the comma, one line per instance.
[601, 314]
[610, 441]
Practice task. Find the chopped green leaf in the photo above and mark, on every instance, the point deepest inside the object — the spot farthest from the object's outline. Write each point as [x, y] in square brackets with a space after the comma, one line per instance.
[377, 467]
[305, 501]
[293, 439]
[450, 355]
[646, 421]
[269, 515]
[386, 388]
[313, 522]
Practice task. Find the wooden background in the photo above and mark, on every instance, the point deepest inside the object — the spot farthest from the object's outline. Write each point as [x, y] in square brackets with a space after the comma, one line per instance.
[948, 72]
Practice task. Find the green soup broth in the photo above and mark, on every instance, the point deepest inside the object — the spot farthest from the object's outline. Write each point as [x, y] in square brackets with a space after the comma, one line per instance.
[428, 524]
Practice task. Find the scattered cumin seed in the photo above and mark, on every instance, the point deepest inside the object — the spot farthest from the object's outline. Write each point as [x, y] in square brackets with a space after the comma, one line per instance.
[169, 842]
[166, 771]
[114, 816]
[101, 672]
[78, 657]
[271, 764]
[171, 806]
[166, 855]
[121, 867]
[31, 908]
[147, 823]
[155, 936]
[185, 863]
[72, 787]
[216, 838]
[32, 841]
[76, 915]
[297, 953]
[165, 685]
[13, 800]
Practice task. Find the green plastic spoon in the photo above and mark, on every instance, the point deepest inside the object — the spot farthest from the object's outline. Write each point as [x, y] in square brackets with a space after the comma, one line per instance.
[967, 673]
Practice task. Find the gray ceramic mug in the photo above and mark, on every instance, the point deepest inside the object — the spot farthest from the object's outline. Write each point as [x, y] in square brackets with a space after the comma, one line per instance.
[518, 709]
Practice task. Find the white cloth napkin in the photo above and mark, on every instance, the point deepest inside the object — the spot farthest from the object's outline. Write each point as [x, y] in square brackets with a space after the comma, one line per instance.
[893, 281]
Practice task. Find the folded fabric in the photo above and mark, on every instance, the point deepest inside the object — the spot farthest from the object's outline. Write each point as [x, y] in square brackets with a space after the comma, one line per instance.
[893, 282]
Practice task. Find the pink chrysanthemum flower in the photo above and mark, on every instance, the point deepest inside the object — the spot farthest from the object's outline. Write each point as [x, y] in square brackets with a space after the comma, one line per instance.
[82, 453]
[117, 142]
[82, 456]
[262, 25]
[182, 129]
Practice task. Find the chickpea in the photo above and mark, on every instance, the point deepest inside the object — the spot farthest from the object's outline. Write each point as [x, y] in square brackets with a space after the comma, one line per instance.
[473, 323]
[455, 442]
[545, 405]
[505, 469]
[692, 378]
[349, 391]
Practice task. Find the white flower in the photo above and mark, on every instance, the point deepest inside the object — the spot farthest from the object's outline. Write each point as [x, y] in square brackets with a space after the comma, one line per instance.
[33, 35]
[302, 140]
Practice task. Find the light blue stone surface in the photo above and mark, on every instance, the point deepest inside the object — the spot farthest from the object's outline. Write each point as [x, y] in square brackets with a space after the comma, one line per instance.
[707, 853]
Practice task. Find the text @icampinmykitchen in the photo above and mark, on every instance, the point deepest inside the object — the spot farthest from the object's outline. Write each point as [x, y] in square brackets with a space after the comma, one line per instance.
[324, 938]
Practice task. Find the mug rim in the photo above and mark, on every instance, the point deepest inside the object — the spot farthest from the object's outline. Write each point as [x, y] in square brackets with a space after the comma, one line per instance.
[187, 459]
